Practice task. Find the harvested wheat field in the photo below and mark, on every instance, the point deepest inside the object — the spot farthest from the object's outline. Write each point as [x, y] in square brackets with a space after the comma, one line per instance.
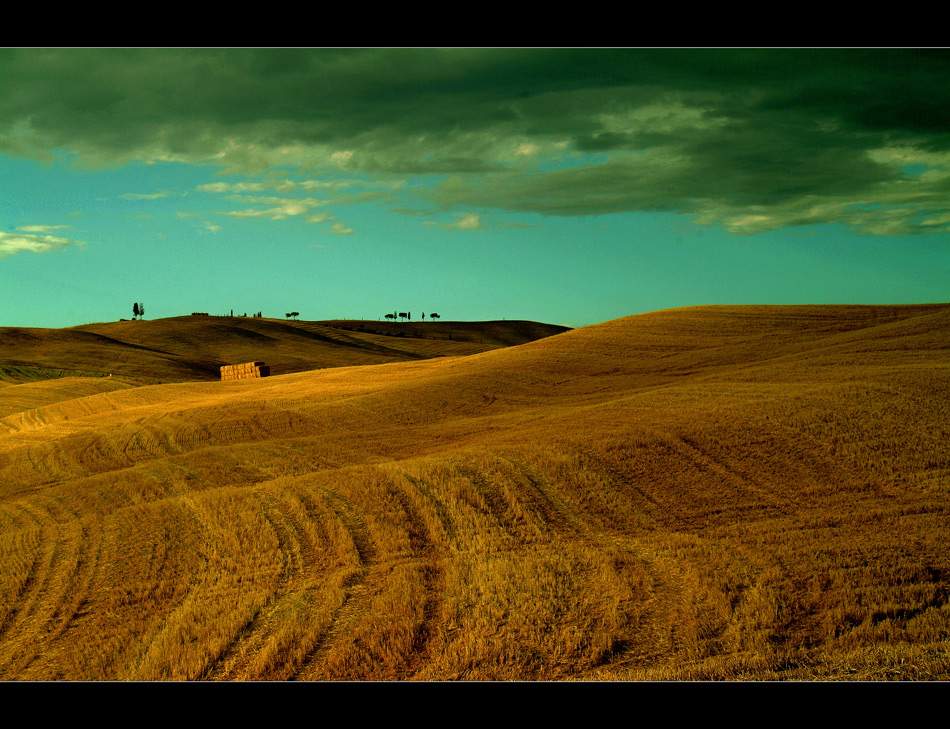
[701, 493]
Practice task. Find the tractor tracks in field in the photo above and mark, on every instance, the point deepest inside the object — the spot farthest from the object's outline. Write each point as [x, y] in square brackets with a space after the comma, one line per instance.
[355, 588]
[426, 559]
[746, 487]
[318, 606]
[241, 658]
[343, 636]
[541, 498]
[57, 586]
[651, 627]
[667, 620]
[37, 574]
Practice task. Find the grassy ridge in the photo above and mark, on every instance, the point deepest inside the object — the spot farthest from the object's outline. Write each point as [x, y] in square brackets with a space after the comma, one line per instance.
[717, 492]
[192, 348]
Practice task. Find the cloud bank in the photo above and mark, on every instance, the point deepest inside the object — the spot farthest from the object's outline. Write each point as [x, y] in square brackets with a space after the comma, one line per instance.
[751, 139]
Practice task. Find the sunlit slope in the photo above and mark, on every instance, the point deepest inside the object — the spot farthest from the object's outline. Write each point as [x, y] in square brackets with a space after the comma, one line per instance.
[19, 397]
[716, 492]
[193, 348]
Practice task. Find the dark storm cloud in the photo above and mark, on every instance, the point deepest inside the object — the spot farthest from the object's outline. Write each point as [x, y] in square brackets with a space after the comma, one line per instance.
[752, 138]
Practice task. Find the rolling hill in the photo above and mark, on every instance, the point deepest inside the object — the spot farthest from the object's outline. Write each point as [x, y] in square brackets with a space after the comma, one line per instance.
[699, 493]
[189, 348]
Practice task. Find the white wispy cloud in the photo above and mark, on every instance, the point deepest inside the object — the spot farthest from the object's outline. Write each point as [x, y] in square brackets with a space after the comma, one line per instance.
[279, 208]
[340, 229]
[146, 196]
[42, 228]
[237, 187]
[471, 221]
[12, 243]
[468, 221]
[342, 156]
[285, 186]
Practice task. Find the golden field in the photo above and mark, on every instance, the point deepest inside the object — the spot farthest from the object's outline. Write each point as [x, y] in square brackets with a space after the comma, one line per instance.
[701, 493]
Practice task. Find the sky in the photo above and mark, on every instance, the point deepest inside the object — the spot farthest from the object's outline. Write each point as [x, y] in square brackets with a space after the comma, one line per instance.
[569, 186]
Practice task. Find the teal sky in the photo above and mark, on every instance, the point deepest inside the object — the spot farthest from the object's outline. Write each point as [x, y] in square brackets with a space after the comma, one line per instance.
[569, 186]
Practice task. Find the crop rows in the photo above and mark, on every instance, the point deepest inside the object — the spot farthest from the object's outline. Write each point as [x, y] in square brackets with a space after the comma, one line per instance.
[565, 515]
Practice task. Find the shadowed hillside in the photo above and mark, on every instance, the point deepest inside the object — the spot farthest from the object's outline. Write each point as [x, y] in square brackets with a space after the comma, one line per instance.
[505, 333]
[194, 347]
[701, 493]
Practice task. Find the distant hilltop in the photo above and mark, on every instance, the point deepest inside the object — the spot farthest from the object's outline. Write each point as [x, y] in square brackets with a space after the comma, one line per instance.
[506, 332]
[195, 347]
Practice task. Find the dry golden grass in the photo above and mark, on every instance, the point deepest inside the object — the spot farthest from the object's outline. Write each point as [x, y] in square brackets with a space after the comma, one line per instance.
[718, 493]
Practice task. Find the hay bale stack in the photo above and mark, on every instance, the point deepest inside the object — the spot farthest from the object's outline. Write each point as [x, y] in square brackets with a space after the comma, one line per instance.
[245, 371]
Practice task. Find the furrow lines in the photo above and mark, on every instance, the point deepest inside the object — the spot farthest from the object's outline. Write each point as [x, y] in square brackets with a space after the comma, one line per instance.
[497, 508]
[558, 514]
[86, 536]
[355, 589]
[237, 658]
[33, 578]
[41, 611]
[691, 451]
[431, 620]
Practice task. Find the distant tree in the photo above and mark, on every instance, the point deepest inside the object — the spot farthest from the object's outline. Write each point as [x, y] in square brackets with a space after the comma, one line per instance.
[434, 316]
[390, 316]
[135, 310]
[141, 311]
[403, 315]
[287, 315]
[295, 314]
